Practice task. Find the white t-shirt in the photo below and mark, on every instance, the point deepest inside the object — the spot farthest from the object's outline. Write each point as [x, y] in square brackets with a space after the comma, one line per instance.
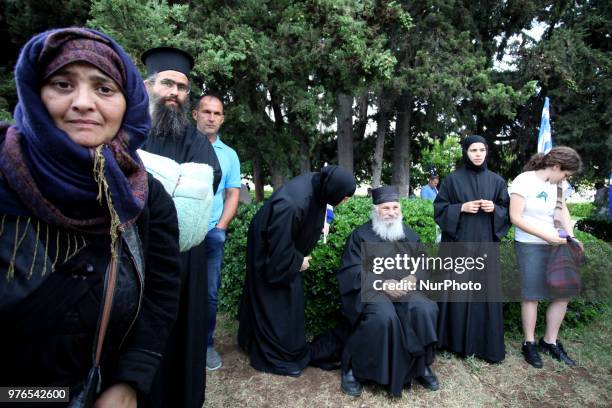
[540, 201]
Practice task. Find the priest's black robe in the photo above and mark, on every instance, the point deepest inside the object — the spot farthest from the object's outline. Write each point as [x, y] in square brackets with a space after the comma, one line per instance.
[281, 234]
[390, 342]
[472, 328]
[181, 379]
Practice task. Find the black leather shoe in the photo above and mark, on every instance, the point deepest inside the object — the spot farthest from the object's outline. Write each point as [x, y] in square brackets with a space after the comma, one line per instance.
[429, 380]
[530, 352]
[294, 373]
[329, 366]
[556, 351]
[350, 385]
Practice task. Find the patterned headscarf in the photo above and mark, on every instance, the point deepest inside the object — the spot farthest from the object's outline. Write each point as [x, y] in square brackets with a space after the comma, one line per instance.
[43, 172]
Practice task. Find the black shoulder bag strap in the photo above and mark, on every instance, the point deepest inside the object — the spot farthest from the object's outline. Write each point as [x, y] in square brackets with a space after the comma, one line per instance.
[91, 386]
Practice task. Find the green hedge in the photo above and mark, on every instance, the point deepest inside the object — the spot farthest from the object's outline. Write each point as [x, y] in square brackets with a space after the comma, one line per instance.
[321, 290]
[234, 260]
[581, 210]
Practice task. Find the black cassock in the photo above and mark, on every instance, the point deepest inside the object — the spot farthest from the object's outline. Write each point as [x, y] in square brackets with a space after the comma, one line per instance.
[472, 328]
[281, 234]
[390, 342]
[181, 379]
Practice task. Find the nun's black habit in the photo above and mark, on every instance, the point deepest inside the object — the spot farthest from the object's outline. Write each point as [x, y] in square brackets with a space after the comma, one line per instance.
[282, 233]
[472, 328]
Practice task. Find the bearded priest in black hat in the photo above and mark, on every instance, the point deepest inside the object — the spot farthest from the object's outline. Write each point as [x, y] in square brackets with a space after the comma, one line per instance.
[173, 135]
[181, 379]
[393, 333]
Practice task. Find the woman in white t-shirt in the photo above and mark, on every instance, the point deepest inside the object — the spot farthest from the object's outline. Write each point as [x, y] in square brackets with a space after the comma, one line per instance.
[533, 197]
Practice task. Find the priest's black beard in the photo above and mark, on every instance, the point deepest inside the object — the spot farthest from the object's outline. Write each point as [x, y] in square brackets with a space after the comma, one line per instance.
[167, 121]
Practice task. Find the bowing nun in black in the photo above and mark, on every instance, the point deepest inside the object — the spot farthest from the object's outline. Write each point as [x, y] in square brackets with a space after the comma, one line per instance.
[282, 233]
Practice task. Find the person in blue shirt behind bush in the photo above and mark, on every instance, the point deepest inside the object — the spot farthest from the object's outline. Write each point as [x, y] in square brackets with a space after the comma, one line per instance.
[209, 117]
[430, 190]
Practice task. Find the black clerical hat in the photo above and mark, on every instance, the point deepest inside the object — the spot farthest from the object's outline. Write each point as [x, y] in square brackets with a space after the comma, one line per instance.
[167, 59]
[385, 194]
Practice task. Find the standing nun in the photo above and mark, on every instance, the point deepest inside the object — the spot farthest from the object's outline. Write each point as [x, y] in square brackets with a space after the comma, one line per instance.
[472, 206]
[281, 235]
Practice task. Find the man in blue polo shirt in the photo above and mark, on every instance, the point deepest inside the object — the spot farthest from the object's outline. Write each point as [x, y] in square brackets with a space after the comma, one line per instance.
[209, 117]
[430, 190]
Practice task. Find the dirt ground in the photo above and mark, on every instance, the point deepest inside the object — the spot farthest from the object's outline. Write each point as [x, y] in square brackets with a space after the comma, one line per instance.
[464, 382]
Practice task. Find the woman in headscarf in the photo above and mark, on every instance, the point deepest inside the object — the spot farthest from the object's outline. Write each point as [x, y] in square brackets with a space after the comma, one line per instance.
[281, 235]
[472, 207]
[88, 241]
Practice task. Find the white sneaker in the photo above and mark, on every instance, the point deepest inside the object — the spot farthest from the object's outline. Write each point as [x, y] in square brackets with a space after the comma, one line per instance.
[213, 359]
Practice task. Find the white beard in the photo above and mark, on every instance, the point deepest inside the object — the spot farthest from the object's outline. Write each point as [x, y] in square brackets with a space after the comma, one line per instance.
[389, 230]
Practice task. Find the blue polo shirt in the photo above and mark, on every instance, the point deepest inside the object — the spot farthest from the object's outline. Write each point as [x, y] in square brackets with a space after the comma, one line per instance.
[230, 178]
[428, 192]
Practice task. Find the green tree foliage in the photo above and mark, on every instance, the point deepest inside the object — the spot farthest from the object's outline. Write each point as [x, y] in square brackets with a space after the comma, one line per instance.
[20, 20]
[281, 64]
[444, 82]
[7, 88]
[439, 156]
[285, 68]
[573, 66]
[5, 115]
[142, 24]
[25, 18]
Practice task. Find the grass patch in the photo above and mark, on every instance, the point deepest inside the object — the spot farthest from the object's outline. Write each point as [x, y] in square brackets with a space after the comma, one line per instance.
[466, 382]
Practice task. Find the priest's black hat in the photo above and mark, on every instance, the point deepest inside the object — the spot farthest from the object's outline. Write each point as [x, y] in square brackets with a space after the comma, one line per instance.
[385, 194]
[167, 59]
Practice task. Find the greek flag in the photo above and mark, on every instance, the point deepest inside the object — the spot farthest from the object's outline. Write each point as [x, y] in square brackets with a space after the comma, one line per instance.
[329, 217]
[544, 136]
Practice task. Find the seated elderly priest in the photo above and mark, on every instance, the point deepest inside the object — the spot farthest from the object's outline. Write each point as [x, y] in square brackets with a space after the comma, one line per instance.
[393, 335]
